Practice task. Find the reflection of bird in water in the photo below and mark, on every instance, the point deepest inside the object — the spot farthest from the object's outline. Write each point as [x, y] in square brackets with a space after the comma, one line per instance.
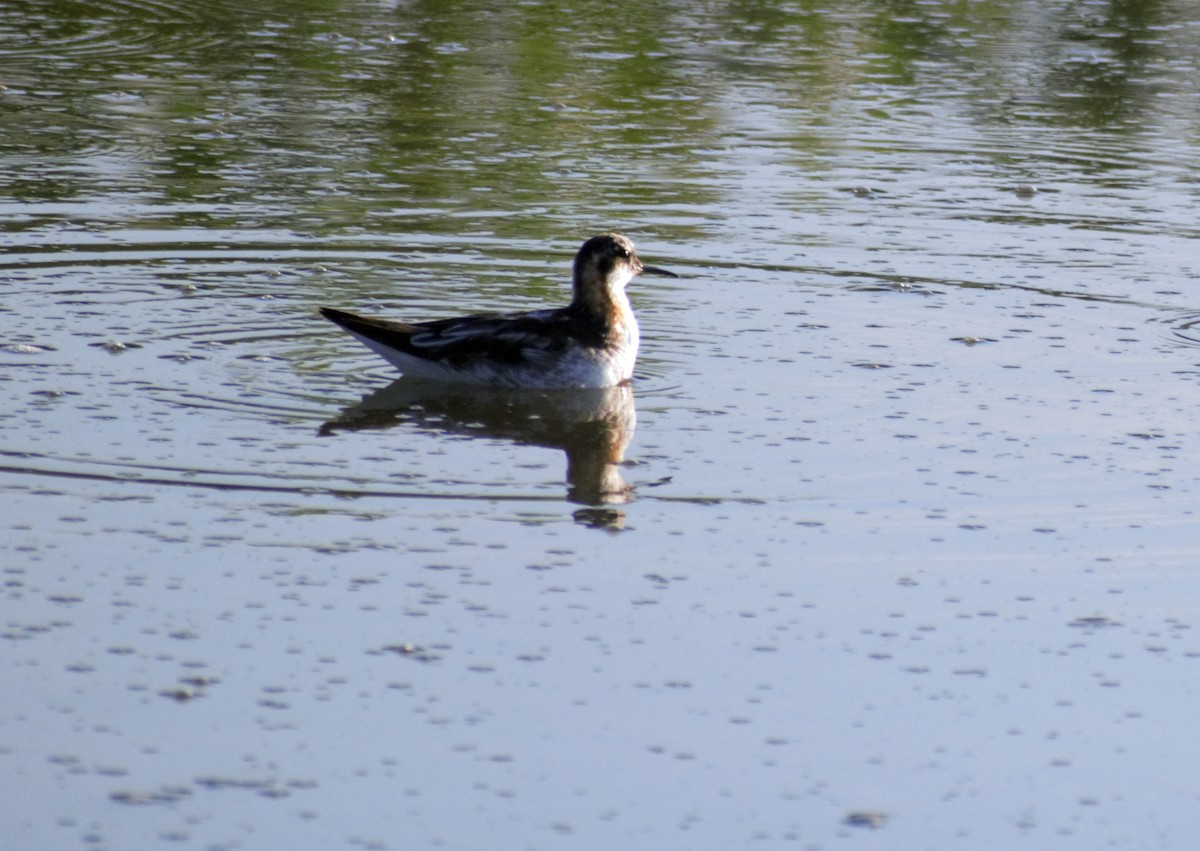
[592, 342]
[594, 427]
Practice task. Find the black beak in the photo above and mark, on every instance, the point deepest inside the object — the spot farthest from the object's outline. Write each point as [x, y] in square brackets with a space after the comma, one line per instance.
[653, 270]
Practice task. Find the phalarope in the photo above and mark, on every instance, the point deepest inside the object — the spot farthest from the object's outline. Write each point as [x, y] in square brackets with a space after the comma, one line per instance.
[592, 342]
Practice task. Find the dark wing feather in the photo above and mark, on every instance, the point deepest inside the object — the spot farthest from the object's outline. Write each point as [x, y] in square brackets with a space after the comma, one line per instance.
[502, 338]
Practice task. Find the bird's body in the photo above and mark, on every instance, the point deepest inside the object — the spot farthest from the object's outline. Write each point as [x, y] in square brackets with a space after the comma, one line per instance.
[592, 342]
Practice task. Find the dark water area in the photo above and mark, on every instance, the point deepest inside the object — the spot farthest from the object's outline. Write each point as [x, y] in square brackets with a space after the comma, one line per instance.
[891, 542]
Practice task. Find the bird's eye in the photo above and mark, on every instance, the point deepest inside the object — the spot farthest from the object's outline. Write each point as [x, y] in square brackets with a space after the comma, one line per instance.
[623, 252]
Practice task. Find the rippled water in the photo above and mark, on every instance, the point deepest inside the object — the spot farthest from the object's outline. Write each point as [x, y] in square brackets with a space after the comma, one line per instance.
[890, 543]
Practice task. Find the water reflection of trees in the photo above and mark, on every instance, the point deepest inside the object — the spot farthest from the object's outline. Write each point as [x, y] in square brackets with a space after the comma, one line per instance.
[434, 108]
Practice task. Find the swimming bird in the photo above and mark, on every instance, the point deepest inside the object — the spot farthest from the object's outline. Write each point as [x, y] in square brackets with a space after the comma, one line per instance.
[592, 342]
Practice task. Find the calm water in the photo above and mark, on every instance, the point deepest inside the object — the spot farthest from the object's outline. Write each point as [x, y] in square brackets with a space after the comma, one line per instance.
[892, 544]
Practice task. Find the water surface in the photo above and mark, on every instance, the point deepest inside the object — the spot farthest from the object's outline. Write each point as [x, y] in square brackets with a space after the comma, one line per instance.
[891, 542]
